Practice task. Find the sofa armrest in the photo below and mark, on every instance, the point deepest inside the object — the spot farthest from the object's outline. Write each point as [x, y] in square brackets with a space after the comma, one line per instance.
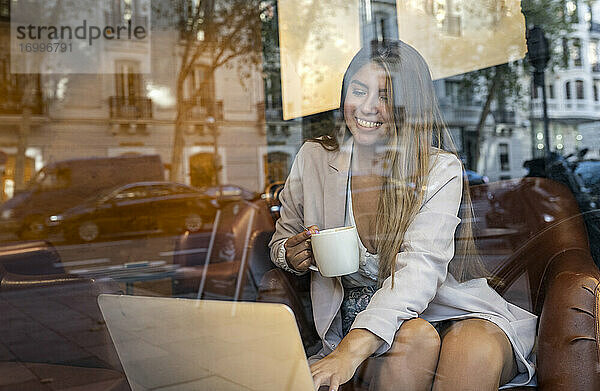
[568, 351]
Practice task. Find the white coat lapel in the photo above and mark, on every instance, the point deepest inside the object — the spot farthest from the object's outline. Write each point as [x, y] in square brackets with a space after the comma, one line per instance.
[336, 182]
[327, 293]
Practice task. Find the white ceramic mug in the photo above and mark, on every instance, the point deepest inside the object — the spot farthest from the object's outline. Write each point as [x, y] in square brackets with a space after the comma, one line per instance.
[335, 251]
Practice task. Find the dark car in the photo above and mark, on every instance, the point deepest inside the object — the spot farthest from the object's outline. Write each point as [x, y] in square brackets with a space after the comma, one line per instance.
[134, 209]
[62, 184]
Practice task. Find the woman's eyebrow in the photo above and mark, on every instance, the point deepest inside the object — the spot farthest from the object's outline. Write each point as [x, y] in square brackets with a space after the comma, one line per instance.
[363, 85]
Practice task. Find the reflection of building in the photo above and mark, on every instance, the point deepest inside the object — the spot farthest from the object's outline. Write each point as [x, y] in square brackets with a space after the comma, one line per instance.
[451, 15]
[574, 91]
[22, 113]
[506, 141]
[131, 112]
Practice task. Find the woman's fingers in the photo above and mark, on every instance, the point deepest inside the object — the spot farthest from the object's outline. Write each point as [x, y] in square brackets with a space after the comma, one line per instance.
[313, 229]
[300, 256]
[297, 239]
[303, 260]
[299, 251]
[334, 383]
[305, 264]
[324, 379]
[319, 380]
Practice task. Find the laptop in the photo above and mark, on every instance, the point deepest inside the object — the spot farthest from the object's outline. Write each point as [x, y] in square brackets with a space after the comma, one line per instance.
[184, 344]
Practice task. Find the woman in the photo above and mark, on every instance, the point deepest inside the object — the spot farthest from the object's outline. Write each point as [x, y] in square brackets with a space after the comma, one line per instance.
[414, 316]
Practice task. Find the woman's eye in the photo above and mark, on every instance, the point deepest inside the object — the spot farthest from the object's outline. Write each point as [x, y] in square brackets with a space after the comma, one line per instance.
[358, 93]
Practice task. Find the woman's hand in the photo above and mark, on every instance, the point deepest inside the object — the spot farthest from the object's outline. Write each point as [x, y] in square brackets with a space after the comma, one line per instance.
[298, 252]
[339, 366]
[333, 370]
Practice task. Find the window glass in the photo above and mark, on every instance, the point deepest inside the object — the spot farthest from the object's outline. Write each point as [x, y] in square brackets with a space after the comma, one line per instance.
[579, 85]
[594, 55]
[187, 156]
[575, 52]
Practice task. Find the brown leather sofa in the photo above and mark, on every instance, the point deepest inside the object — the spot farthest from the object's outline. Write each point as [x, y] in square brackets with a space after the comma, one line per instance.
[532, 238]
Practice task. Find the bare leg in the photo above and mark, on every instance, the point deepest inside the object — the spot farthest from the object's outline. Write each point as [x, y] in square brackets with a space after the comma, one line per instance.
[475, 355]
[409, 364]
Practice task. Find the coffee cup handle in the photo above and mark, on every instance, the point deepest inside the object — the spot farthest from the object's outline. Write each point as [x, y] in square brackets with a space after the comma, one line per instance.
[313, 268]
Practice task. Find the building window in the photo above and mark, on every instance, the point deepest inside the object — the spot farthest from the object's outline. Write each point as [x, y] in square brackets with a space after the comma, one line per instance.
[273, 91]
[594, 55]
[458, 94]
[551, 91]
[381, 26]
[196, 89]
[129, 101]
[596, 90]
[575, 52]
[4, 8]
[568, 90]
[504, 161]
[120, 12]
[565, 52]
[276, 167]
[579, 89]
[128, 79]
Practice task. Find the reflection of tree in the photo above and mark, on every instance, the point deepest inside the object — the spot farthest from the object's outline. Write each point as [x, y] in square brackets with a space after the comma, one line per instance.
[499, 82]
[214, 34]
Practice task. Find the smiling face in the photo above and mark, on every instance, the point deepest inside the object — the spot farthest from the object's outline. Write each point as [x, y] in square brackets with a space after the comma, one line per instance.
[365, 105]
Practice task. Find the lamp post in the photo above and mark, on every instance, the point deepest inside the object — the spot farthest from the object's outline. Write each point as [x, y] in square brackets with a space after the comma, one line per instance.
[538, 54]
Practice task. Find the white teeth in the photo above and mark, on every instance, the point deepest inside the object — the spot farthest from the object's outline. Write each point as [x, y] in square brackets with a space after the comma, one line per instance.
[368, 124]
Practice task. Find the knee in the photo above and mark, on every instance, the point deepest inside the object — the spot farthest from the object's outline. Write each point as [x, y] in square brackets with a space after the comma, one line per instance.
[478, 341]
[416, 335]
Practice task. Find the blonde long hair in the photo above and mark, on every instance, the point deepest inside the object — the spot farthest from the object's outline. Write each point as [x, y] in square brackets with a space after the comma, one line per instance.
[417, 133]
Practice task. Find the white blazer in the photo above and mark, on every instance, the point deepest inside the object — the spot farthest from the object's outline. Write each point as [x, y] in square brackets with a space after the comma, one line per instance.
[315, 194]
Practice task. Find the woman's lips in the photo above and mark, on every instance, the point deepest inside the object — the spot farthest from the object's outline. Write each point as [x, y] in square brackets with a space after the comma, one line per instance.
[368, 124]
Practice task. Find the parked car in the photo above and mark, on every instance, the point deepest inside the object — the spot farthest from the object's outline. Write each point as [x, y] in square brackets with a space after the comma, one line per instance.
[136, 209]
[64, 184]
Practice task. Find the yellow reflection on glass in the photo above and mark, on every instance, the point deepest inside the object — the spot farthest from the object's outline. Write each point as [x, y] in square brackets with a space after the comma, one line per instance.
[317, 40]
[458, 36]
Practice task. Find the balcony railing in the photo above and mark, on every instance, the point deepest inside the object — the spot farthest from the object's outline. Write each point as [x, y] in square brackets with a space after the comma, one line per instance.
[197, 109]
[11, 102]
[596, 67]
[130, 107]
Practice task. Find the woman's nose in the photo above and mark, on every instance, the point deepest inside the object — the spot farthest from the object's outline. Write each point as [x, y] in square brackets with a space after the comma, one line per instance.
[371, 105]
